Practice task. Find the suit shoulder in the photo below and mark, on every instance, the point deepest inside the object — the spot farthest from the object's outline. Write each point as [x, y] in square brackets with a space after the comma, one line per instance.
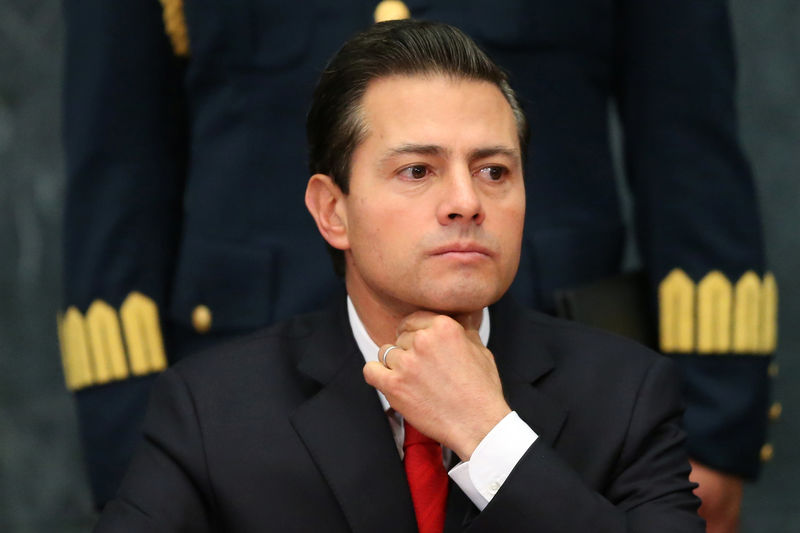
[569, 339]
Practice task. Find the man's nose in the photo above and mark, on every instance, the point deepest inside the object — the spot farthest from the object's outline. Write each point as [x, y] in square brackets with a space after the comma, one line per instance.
[461, 201]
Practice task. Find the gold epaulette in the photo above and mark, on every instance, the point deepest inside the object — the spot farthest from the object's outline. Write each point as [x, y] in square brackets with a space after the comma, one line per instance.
[92, 347]
[175, 26]
[715, 316]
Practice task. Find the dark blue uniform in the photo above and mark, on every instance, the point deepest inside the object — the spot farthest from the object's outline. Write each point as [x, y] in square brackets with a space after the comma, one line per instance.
[185, 223]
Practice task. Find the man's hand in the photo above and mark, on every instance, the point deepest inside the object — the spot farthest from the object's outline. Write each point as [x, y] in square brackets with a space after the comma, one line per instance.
[442, 380]
[721, 496]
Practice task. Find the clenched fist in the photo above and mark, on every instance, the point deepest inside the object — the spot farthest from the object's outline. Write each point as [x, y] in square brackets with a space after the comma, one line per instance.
[442, 380]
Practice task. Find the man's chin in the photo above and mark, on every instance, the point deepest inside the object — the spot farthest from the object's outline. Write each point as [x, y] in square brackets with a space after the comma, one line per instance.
[459, 302]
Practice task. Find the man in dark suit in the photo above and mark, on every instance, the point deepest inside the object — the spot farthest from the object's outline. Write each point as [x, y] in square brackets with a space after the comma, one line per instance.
[184, 139]
[416, 143]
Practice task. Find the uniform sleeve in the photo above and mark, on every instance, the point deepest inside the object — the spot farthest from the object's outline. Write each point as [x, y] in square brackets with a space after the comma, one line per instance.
[124, 140]
[697, 220]
[648, 488]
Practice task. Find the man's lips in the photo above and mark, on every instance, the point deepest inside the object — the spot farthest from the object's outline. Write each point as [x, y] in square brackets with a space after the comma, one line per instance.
[463, 249]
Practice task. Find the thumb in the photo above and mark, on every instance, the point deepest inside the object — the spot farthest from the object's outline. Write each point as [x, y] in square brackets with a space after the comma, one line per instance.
[469, 321]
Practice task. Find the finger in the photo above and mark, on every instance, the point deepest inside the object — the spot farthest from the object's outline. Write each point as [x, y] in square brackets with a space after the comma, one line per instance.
[387, 356]
[416, 321]
[384, 350]
[376, 374]
[405, 340]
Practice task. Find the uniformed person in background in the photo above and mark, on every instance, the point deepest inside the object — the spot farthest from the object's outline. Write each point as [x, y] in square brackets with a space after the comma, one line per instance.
[184, 139]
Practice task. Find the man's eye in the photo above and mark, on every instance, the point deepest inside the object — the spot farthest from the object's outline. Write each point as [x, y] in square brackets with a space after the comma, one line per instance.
[493, 173]
[415, 172]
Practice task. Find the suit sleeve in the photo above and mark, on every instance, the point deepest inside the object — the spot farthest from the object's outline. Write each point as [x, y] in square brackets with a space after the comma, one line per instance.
[648, 490]
[697, 220]
[167, 487]
[124, 138]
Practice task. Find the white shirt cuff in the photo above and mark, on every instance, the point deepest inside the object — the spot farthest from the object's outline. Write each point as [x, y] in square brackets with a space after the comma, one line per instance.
[493, 460]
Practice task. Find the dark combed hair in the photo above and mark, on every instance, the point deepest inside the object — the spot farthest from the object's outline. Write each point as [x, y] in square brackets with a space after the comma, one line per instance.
[335, 124]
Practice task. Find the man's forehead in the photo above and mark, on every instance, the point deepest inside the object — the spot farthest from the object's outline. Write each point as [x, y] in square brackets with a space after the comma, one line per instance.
[417, 113]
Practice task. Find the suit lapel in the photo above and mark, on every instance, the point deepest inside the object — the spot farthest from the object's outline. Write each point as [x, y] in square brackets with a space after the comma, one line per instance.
[523, 361]
[348, 436]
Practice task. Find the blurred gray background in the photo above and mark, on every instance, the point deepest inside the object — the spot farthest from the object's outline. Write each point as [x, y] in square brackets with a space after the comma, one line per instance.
[42, 484]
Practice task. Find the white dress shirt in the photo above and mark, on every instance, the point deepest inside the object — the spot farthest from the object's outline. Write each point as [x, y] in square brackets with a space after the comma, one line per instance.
[495, 456]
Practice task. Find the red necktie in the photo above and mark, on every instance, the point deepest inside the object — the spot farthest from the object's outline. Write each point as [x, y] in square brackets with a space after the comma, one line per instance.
[427, 479]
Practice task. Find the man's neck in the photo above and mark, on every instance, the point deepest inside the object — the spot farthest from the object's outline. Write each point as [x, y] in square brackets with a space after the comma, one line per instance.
[381, 319]
[368, 347]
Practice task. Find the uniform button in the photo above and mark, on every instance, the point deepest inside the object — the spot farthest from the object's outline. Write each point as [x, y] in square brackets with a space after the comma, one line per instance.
[772, 370]
[494, 486]
[391, 10]
[775, 411]
[767, 452]
[201, 319]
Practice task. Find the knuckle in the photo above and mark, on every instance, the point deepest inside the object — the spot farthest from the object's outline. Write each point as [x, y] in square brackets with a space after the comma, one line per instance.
[423, 340]
[442, 321]
[449, 326]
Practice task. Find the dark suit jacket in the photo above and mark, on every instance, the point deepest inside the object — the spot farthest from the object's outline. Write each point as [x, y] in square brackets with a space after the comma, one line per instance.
[186, 175]
[279, 431]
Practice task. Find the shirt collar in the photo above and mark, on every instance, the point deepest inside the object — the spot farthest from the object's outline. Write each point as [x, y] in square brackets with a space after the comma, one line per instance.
[369, 350]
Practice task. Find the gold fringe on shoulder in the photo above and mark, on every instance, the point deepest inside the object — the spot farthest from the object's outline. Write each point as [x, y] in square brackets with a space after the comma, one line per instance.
[715, 316]
[93, 351]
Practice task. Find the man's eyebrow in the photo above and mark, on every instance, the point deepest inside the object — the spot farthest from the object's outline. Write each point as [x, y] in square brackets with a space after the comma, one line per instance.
[421, 149]
[433, 149]
[490, 151]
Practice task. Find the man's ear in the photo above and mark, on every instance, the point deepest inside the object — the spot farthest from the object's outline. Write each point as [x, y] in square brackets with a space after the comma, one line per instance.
[326, 203]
